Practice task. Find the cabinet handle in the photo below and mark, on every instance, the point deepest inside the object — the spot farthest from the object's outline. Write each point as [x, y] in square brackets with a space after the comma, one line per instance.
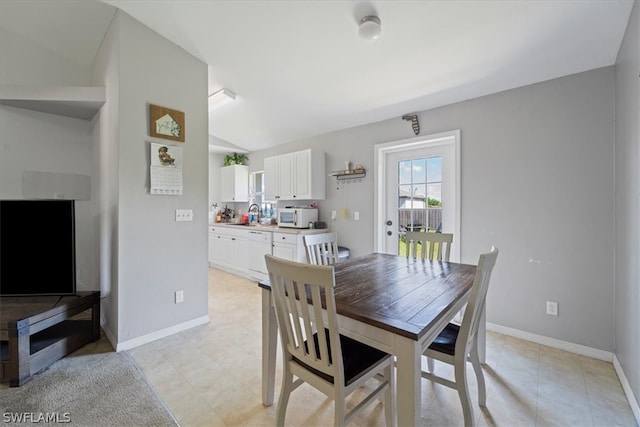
[233, 238]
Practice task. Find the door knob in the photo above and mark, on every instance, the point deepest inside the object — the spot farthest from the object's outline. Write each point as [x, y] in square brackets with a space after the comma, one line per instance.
[389, 222]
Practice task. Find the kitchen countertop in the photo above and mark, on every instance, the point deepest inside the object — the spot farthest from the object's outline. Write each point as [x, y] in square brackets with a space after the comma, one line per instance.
[272, 228]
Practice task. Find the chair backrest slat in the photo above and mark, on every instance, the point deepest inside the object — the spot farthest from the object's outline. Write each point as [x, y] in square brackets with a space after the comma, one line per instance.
[434, 246]
[304, 300]
[476, 302]
[322, 249]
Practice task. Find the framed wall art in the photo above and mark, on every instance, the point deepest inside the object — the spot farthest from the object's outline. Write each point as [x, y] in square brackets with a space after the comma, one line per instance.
[166, 123]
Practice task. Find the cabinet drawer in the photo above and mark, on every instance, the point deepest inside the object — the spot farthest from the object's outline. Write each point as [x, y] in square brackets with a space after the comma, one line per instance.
[260, 236]
[284, 238]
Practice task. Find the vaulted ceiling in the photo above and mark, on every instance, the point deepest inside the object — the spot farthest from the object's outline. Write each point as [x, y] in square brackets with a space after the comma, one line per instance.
[299, 68]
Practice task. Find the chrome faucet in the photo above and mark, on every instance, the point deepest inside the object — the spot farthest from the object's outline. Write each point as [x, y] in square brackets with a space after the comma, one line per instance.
[257, 213]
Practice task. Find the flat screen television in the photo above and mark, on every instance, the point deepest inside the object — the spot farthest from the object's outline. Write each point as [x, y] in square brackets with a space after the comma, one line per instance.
[37, 247]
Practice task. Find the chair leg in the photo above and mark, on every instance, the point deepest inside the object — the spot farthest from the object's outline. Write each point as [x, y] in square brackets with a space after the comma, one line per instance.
[283, 401]
[463, 390]
[389, 403]
[430, 365]
[475, 362]
[340, 410]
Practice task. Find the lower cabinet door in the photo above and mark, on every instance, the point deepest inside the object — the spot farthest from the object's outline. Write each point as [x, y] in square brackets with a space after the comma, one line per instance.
[240, 247]
[215, 248]
[283, 250]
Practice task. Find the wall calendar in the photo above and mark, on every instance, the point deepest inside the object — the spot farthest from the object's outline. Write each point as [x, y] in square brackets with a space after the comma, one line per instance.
[166, 169]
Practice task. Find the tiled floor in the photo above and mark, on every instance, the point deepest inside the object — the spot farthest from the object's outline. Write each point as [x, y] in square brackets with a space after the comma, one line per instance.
[210, 376]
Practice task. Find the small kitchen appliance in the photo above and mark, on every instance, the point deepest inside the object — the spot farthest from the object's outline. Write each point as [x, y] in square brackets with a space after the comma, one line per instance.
[297, 217]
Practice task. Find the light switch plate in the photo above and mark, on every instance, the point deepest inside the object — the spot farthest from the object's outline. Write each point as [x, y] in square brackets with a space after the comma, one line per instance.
[184, 215]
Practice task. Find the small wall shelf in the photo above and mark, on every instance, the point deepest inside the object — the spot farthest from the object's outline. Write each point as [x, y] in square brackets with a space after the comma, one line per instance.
[346, 175]
[79, 102]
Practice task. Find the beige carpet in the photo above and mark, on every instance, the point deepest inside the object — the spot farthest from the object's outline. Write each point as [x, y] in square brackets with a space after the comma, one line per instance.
[92, 387]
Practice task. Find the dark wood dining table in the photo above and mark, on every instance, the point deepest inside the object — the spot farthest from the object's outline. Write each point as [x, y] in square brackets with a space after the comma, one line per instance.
[394, 303]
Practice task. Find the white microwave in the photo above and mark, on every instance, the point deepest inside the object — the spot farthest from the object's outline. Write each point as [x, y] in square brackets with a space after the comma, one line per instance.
[296, 217]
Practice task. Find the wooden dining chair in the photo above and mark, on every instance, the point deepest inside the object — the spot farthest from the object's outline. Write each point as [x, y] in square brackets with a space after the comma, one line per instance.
[457, 344]
[322, 249]
[314, 351]
[435, 246]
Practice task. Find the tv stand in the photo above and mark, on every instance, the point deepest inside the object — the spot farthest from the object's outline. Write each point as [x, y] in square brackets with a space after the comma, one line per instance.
[36, 331]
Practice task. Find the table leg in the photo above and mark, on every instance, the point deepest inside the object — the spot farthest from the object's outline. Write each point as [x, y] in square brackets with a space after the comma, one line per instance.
[269, 343]
[408, 390]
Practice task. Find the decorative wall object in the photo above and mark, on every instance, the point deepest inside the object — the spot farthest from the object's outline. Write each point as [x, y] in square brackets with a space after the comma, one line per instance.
[166, 123]
[413, 118]
[166, 170]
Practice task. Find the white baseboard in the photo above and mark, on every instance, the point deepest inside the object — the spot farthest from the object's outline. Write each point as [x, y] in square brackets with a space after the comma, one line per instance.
[577, 349]
[138, 341]
[607, 356]
[627, 389]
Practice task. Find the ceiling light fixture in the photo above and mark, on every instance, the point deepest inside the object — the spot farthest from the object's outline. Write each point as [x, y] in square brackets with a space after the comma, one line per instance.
[370, 28]
[221, 98]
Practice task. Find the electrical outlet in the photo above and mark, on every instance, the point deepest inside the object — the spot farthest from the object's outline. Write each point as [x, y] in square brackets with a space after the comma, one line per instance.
[184, 215]
[356, 216]
[552, 308]
[179, 297]
[333, 215]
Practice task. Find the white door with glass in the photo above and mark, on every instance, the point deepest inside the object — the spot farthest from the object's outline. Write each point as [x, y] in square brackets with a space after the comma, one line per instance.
[418, 190]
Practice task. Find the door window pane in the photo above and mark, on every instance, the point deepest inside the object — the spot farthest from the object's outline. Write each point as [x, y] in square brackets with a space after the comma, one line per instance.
[404, 172]
[419, 197]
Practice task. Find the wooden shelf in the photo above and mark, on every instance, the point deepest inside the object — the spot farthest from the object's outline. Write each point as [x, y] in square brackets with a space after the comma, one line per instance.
[349, 174]
[80, 102]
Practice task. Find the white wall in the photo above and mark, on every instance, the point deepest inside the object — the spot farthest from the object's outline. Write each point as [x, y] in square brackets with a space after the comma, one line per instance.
[157, 255]
[42, 142]
[27, 63]
[627, 181]
[537, 181]
[216, 160]
[105, 72]
[129, 245]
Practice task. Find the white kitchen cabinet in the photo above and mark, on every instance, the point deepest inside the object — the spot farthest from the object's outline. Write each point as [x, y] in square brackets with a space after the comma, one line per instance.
[215, 247]
[271, 178]
[240, 249]
[289, 246]
[234, 183]
[286, 189]
[228, 249]
[299, 175]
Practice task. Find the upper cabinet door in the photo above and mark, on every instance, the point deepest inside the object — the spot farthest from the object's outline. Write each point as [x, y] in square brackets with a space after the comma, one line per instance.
[286, 176]
[299, 175]
[271, 179]
[302, 178]
[234, 183]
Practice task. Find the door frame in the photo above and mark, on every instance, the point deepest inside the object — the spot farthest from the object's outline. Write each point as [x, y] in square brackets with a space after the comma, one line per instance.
[380, 173]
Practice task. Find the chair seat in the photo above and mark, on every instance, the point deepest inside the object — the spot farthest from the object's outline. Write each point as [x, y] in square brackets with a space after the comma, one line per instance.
[446, 341]
[357, 358]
